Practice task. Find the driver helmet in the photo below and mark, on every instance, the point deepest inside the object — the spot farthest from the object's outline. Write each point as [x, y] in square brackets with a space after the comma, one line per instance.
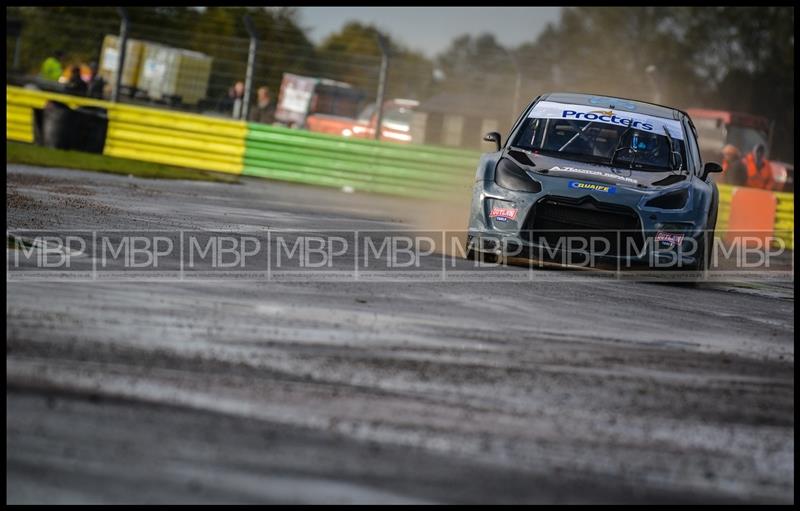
[646, 144]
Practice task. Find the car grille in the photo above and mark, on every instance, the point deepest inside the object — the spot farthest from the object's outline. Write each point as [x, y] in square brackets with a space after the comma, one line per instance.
[552, 218]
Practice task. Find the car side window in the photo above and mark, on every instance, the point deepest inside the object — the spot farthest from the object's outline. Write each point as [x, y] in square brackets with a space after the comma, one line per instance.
[520, 121]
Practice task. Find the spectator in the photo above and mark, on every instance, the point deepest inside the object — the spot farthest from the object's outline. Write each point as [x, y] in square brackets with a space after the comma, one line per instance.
[759, 169]
[96, 83]
[231, 103]
[733, 168]
[74, 84]
[51, 67]
[238, 99]
[264, 111]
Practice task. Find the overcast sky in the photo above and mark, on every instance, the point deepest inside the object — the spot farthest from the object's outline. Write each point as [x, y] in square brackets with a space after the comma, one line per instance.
[430, 29]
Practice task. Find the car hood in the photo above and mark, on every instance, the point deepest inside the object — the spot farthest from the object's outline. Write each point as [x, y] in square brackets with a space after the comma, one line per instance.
[571, 169]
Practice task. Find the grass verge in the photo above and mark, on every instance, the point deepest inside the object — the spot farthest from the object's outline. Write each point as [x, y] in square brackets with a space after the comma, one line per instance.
[29, 154]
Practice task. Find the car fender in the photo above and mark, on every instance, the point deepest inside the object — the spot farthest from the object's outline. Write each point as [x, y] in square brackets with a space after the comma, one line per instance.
[486, 166]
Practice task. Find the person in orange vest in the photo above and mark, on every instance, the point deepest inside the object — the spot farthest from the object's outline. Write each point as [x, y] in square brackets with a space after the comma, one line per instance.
[734, 171]
[759, 169]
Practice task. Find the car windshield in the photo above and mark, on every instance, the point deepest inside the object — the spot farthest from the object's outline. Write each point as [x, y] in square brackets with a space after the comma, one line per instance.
[604, 137]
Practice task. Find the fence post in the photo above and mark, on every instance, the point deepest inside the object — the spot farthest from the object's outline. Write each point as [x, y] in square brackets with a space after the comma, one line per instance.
[517, 84]
[123, 46]
[251, 64]
[14, 29]
[381, 85]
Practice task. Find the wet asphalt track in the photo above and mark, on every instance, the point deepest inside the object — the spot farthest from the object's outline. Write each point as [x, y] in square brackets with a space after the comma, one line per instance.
[565, 388]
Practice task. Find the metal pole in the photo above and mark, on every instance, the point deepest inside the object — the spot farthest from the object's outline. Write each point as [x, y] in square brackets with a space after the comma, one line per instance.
[517, 85]
[769, 138]
[123, 45]
[18, 40]
[381, 85]
[14, 29]
[651, 71]
[251, 64]
[517, 92]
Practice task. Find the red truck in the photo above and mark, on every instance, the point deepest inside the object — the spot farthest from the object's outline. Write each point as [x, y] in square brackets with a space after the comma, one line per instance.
[303, 97]
[328, 106]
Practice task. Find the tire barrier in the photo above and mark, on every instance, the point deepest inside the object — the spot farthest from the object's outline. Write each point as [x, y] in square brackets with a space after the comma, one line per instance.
[60, 127]
[236, 147]
[782, 211]
[139, 133]
[365, 165]
[223, 145]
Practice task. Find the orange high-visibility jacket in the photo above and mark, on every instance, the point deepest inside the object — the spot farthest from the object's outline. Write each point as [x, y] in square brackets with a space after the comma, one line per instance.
[758, 177]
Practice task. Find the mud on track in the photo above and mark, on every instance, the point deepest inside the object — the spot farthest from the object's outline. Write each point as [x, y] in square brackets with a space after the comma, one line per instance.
[568, 389]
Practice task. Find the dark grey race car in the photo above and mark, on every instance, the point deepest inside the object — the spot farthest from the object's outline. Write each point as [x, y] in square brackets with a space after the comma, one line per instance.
[613, 179]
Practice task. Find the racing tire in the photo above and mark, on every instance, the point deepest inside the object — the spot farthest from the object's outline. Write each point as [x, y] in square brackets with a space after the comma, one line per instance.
[706, 245]
[484, 257]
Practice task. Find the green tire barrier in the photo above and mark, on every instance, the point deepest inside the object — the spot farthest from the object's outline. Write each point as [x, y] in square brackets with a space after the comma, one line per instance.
[366, 165]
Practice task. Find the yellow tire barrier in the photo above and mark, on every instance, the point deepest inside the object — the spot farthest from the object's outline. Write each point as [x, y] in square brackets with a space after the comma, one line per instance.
[784, 214]
[140, 133]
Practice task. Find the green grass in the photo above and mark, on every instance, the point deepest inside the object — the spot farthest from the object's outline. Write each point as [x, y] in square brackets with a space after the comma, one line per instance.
[29, 154]
[17, 243]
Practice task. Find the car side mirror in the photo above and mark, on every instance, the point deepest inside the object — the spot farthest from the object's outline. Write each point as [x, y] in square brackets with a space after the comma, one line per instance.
[710, 167]
[493, 136]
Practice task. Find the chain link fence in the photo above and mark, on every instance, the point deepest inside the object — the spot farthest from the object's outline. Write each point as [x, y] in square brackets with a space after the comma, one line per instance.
[195, 70]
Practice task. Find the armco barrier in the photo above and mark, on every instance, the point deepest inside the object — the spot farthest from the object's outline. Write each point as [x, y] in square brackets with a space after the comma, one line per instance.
[208, 143]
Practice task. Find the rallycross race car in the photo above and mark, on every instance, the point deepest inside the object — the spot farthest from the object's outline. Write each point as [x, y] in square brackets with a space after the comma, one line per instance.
[607, 179]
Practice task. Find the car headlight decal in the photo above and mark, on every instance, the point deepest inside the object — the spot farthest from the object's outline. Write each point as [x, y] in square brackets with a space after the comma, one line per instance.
[509, 175]
[672, 200]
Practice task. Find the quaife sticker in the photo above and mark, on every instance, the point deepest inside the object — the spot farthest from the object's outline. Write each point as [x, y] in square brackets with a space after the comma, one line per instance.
[671, 238]
[503, 214]
[578, 185]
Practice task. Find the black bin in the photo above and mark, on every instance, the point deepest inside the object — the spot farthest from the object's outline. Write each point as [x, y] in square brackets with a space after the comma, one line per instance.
[55, 126]
[91, 129]
[59, 127]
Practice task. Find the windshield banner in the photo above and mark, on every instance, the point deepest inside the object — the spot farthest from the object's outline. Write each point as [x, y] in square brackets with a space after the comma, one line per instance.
[552, 110]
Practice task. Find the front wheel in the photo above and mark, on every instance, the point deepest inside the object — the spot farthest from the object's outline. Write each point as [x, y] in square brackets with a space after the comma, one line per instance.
[484, 257]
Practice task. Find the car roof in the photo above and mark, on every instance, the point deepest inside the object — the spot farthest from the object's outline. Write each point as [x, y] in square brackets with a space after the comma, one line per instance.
[629, 105]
